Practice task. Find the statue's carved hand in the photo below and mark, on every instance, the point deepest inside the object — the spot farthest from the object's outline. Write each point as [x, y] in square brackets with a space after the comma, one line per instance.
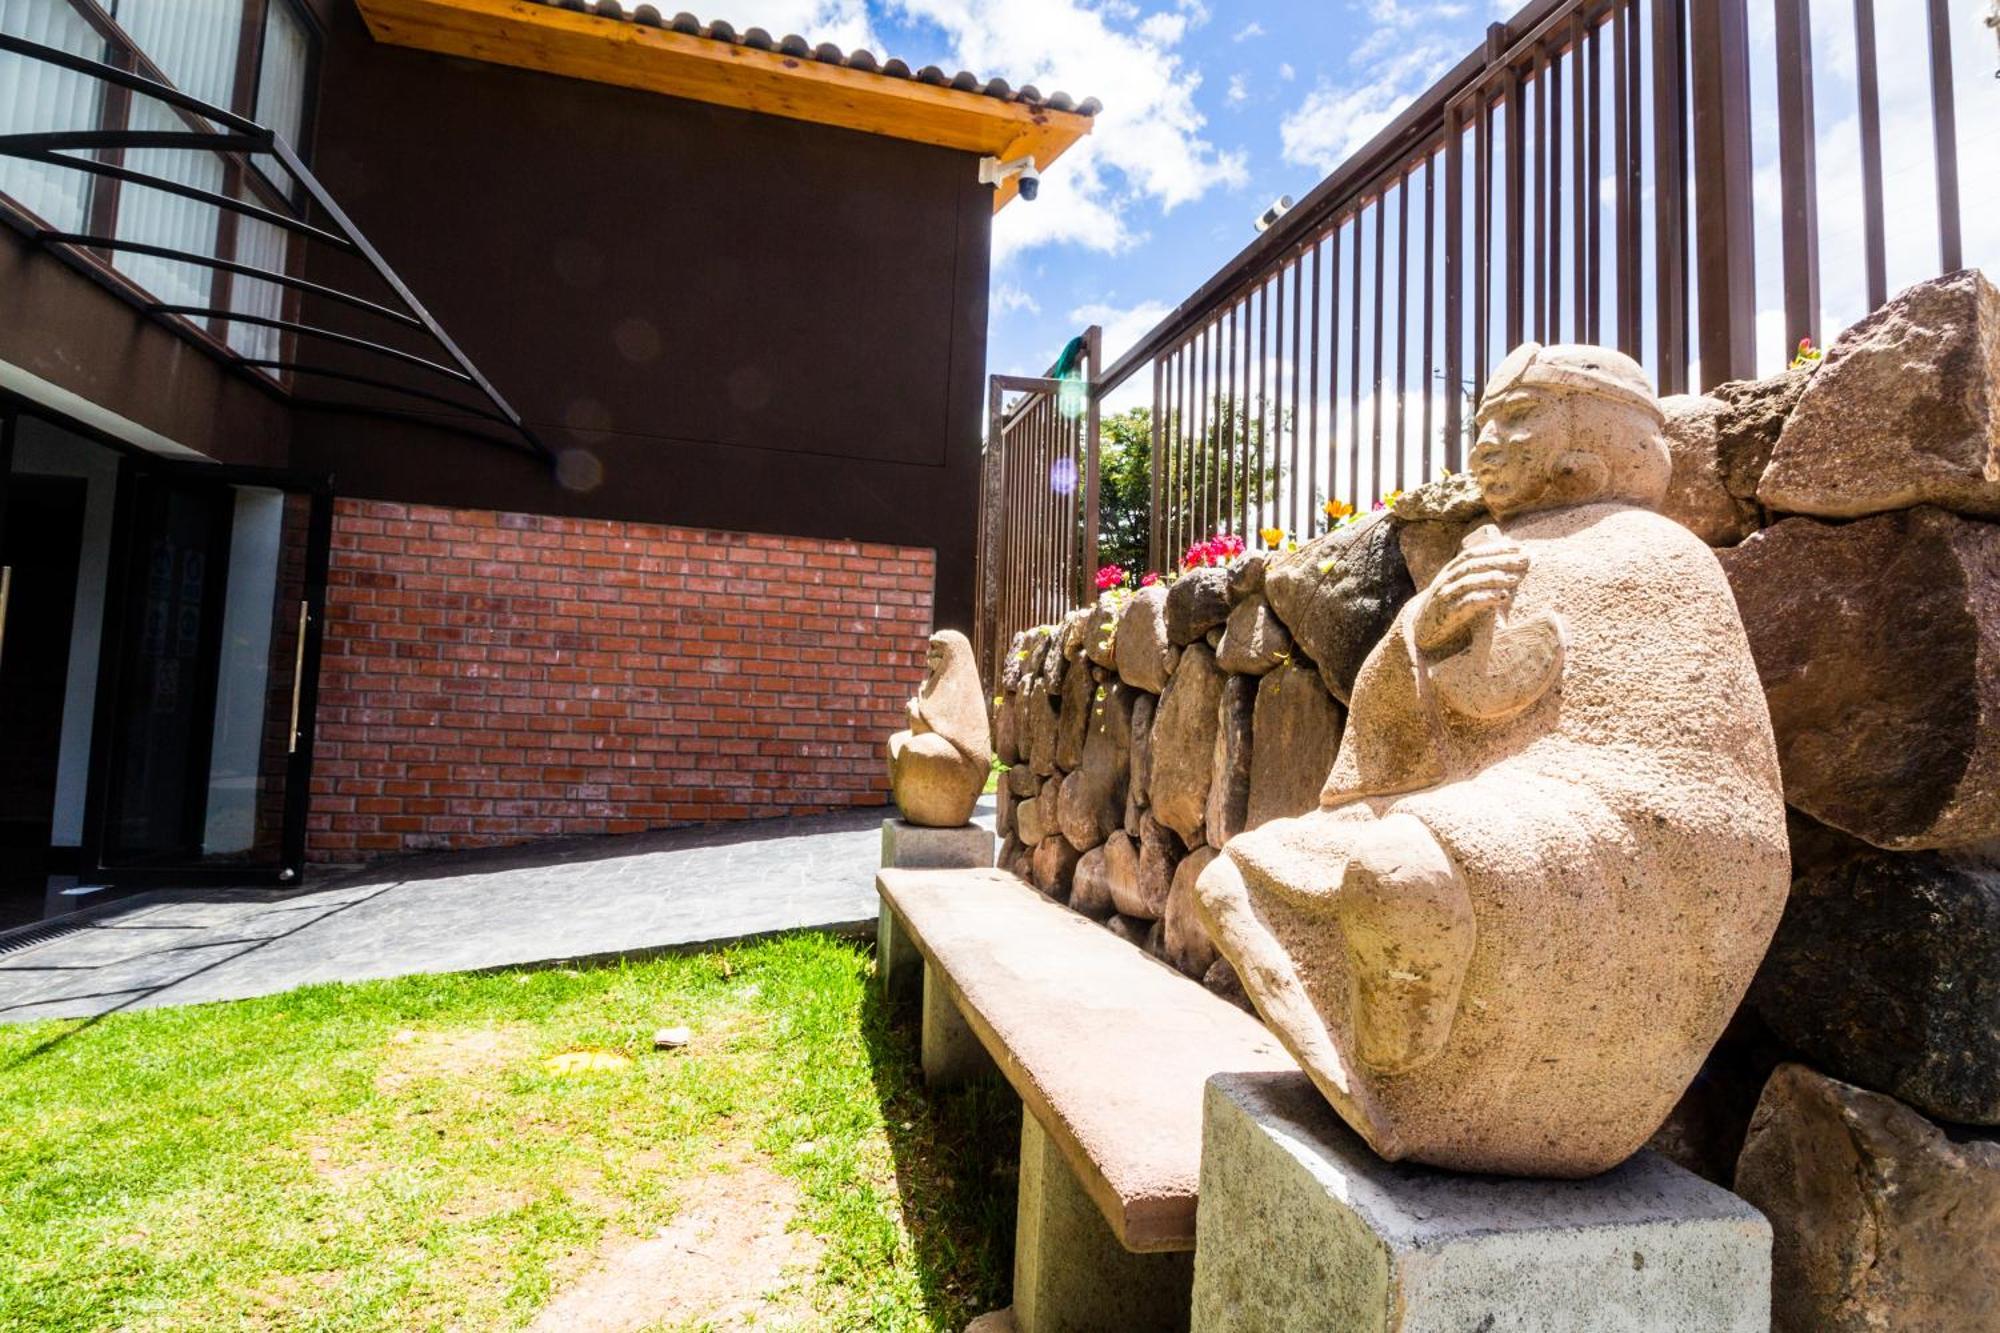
[1474, 583]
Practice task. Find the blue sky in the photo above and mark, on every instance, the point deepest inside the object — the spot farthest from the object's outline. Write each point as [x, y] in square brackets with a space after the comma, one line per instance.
[1213, 109]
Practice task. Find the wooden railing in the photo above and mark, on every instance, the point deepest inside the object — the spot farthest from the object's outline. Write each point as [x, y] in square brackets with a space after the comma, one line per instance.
[1585, 175]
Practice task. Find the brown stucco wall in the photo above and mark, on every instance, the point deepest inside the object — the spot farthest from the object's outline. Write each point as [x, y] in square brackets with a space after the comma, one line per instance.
[748, 323]
[69, 331]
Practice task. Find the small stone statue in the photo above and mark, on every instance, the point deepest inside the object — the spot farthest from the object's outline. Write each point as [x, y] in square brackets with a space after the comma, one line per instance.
[939, 766]
[1552, 847]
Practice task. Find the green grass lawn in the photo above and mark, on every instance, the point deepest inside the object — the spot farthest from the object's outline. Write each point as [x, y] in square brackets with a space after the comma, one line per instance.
[398, 1155]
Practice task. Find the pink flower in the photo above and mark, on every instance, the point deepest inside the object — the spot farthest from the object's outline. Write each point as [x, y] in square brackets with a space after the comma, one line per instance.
[1111, 576]
[1152, 577]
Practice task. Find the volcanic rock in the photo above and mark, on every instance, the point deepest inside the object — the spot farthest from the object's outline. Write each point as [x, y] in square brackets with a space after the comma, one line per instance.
[1886, 972]
[1183, 738]
[1878, 643]
[1337, 595]
[1297, 731]
[1880, 1220]
[1904, 410]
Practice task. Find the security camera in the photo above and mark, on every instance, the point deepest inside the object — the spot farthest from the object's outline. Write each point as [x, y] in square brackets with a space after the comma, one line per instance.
[1279, 207]
[992, 171]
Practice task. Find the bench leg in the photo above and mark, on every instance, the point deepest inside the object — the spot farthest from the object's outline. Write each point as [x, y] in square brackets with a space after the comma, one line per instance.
[1070, 1273]
[951, 1053]
[897, 963]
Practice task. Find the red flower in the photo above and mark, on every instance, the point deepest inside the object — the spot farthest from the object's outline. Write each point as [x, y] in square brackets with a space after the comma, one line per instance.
[1152, 577]
[1111, 576]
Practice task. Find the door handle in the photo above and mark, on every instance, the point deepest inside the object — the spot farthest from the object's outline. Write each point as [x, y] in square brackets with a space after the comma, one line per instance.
[298, 670]
[6, 595]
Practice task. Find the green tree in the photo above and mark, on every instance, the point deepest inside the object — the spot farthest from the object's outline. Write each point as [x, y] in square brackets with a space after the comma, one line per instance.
[1125, 478]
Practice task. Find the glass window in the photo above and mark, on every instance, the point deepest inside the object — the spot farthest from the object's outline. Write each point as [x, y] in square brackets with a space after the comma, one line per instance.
[281, 82]
[37, 97]
[194, 42]
[158, 218]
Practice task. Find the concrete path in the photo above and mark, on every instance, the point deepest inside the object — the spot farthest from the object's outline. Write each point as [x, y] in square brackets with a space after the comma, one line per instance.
[454, 912]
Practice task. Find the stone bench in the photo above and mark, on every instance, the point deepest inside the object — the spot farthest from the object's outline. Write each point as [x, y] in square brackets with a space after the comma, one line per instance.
[1109, 1051]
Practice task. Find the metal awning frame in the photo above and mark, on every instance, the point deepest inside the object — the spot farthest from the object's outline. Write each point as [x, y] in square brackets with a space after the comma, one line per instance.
[238, 136]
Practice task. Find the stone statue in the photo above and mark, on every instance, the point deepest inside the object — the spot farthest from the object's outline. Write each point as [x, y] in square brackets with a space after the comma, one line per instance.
[1552, 847]
[939, 766]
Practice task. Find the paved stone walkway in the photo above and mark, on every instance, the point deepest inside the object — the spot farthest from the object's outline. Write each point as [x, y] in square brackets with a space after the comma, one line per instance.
[454, 912]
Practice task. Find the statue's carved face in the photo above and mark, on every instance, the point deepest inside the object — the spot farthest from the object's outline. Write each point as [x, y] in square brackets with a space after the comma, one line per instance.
[1520, 432]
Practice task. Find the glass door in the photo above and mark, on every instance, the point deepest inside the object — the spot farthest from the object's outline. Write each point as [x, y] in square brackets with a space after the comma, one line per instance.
[202, 749]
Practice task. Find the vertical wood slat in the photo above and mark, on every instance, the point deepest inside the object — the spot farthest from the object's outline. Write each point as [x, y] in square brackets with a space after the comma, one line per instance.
[1514, 319]
[1333, 369]
[1669, 200]
[1798, 175]
[1633, 337]
[1375, 344]
[1869, 97]
[1540, 249]
[1402, 323]
[1430, 263]
[1298, 311]
[1725, 239]
[1093, 458]
[1595, 262]
[1454, 284]
[1583, 80]
[1157, 459]
[1944, 138]
[1354, 378]
[1482, 237]
[1554, 200]
[1253, 490]
[1625, 289]
[1312, 395]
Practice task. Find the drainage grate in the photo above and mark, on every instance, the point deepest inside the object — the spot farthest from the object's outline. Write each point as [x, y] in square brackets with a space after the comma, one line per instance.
[27, 937]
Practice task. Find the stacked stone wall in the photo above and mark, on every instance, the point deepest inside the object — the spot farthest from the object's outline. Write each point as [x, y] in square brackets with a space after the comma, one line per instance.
[495, 677]
[1855, 506]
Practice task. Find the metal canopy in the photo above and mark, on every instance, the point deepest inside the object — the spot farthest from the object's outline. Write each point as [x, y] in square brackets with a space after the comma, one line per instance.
[233, 135]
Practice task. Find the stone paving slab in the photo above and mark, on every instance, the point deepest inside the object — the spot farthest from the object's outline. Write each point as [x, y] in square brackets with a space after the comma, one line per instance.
[573, 899]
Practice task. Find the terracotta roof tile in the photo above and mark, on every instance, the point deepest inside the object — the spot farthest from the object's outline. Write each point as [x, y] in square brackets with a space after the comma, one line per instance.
[827, 53]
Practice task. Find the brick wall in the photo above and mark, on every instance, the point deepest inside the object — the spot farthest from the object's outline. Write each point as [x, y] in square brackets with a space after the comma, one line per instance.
[493, 677]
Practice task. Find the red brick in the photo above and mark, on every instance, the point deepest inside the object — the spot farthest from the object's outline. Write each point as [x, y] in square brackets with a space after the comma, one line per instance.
[493, 677]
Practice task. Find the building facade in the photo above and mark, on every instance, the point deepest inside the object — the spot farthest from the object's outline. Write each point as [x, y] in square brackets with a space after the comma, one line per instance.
[595, 453]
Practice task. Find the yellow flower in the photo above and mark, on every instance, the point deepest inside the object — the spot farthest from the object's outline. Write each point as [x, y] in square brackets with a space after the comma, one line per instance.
[1272, 536]
[1337, 509]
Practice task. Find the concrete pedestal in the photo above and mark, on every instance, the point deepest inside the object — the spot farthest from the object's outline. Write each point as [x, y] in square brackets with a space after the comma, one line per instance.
[907, 846]
[1301, 1226]
[1070, 1273]
[951, 1053]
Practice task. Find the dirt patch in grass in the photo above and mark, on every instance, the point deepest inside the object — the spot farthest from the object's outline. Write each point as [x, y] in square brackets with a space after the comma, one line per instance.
[451, 1053]
[732, 1258]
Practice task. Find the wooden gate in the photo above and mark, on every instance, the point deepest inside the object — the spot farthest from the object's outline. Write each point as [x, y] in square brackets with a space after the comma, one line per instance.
[1038, 499]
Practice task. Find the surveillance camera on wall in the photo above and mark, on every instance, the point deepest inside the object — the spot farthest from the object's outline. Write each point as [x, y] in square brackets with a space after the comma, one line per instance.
[992, 171]
[1279, 207]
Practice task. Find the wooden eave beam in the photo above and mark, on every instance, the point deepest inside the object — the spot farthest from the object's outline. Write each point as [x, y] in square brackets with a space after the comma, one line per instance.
[659, 60]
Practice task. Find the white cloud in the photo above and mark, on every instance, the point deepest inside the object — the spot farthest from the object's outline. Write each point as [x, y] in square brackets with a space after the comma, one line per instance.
[842, 22]
[1286, 72]
[1239, 91]
[1123, 327]
[1147, 144]
[1401, 55]
[1010, 297]
[1247, 31]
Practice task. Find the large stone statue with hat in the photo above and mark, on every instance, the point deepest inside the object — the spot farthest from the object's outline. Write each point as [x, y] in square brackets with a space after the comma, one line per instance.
[1551, 851]
[939, 766]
